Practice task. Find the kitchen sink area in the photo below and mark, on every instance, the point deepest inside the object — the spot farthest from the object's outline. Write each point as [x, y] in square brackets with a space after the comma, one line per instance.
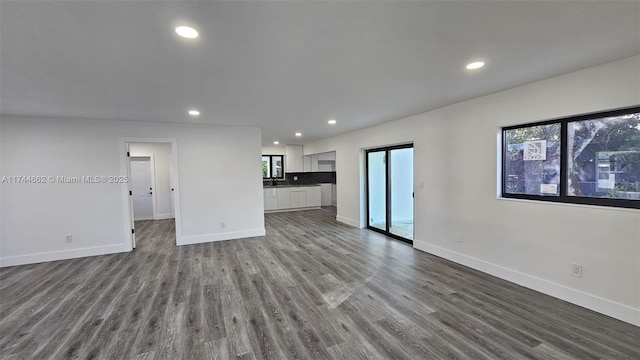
[293, 181]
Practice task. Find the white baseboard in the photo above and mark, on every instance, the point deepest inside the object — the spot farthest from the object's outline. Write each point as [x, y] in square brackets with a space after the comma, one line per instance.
[163, 216]
[199, 239]
[293, 209]
[348, 221]
[62, 255]
[607, 307]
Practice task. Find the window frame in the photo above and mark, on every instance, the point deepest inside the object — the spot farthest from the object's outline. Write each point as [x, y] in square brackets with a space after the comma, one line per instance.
[563, 196]
[271, 166]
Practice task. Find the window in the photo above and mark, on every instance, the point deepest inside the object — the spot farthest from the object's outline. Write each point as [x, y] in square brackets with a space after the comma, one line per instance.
[532, 160]
[604, 157]
[590, 159]
[272, 166]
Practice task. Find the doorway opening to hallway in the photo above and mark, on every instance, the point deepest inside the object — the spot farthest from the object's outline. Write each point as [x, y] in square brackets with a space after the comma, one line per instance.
[152, 191]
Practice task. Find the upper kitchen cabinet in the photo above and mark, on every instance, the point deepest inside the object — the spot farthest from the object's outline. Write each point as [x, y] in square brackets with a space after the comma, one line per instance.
[320, 162]
[328, 156]
[293, 158]
[306, 167]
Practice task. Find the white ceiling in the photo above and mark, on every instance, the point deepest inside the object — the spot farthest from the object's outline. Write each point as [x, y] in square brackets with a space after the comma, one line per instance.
[291, 66]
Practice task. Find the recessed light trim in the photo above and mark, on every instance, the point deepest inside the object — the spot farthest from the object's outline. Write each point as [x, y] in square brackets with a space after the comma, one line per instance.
[298, 134]
[194, 112]
[332, 122]
[187, 32]
[276, 143]
[475, 65]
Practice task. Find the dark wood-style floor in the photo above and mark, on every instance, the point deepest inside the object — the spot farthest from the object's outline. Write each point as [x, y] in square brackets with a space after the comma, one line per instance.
[311, 289]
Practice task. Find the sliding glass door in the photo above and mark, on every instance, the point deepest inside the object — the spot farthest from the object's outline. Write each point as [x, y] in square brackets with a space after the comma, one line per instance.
[390, 191]
[377, 185]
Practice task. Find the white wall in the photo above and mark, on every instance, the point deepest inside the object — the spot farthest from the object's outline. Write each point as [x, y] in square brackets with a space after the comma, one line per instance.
[162, 165]
[273, 150]
[531, 243]
[36, 217]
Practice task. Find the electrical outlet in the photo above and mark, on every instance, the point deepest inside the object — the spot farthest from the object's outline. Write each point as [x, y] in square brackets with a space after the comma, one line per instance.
[223, 224]
[459, 238]
[576, 270]
[68, 238]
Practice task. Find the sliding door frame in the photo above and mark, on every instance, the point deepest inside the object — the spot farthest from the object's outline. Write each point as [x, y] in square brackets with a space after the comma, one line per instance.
[387, 151]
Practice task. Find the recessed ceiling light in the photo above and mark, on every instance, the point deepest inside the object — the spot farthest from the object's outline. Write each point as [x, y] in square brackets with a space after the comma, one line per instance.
[276, 143]
[187, 32]
[194, 112]
[298, 134]
[475, 65]
[332, 122]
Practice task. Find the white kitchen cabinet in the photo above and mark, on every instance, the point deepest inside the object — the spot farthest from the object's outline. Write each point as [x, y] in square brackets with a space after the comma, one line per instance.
[306, 163]
[309, 196]
[326, 194]
[320, 162]
[317, 196]
[298, 197]
[328, 156]
[326, 165]
[293, 158]
[284, 198]
[270, 199]
[292, 198]
[310, 163]
[312, 199]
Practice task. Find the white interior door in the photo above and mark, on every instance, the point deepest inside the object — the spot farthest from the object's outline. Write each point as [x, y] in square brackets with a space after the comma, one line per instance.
[142, 189]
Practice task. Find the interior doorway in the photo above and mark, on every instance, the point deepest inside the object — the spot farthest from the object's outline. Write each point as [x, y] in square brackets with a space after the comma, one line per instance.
[152, 192]
[390, 191]
[142, 187]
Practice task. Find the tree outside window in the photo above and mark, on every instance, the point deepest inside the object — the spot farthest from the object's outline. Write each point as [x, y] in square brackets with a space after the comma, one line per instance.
[604, 157]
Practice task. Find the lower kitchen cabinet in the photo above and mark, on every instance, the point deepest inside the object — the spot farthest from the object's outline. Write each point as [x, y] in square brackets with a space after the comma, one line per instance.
[298, 198]
[270, 199]
[284, 198]
[292, 198]
[326, 194]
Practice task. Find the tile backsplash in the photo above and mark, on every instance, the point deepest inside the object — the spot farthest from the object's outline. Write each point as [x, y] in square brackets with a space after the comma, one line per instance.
[306, 178]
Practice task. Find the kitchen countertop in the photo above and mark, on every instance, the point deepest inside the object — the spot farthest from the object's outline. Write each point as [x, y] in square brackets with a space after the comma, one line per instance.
[287, 186]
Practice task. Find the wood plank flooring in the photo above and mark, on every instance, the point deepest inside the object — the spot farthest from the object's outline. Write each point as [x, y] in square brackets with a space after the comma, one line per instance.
[311, 289]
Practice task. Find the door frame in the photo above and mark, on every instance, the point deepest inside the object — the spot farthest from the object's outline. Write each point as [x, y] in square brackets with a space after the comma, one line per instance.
[127, 211]
[387, 150]
[152, 169]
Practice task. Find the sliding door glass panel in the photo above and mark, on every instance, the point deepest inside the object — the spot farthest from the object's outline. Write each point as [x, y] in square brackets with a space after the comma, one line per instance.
[401, 192]
[377, 185]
